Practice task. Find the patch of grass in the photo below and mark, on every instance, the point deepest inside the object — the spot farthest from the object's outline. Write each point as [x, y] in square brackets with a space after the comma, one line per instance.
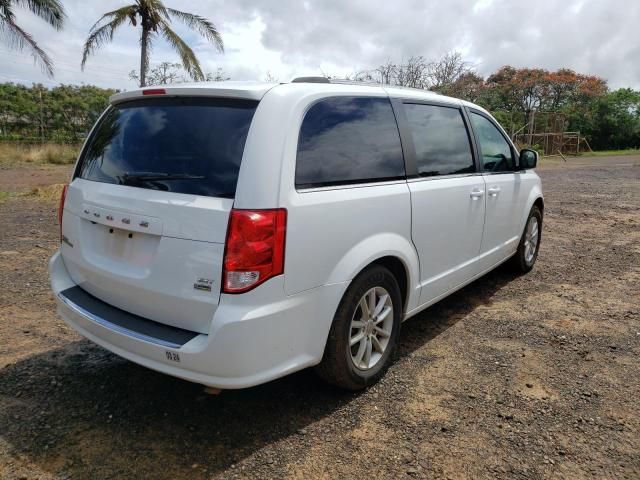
[612, 153]
[4, 196]
[50, 153]
[49, 193]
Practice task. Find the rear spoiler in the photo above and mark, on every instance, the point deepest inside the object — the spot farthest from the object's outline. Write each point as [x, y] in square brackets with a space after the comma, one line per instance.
[243, 90]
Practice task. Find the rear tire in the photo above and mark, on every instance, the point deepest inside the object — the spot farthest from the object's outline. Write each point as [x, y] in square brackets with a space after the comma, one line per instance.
[527, 252]
[365, 331]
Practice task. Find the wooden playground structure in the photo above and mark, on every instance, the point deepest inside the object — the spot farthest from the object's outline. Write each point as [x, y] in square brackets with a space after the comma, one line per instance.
[545, 131]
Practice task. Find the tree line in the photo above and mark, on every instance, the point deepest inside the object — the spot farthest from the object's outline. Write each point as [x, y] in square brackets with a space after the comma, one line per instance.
[36, 114]
[609, 119]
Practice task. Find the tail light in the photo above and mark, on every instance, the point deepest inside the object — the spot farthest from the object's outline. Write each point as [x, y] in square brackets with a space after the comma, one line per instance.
[254, 251]
[63, 197]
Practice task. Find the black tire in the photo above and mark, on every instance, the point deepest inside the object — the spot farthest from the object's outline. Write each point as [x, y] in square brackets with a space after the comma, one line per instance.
[337, 366]
[519, 261]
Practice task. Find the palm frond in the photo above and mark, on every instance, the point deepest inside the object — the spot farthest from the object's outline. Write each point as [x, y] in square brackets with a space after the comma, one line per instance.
[51, 11]
[201, 25]
[129, 10]
[20, 39]
[157, 10]
[6, 11]
[187, 57]
[103, 34]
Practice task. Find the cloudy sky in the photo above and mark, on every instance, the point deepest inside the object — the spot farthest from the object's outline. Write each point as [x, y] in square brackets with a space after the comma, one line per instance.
[299, 37]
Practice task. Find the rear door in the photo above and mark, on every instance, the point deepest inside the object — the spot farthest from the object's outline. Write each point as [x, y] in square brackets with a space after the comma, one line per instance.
[146, 213]
[447, 196]
[506, 195]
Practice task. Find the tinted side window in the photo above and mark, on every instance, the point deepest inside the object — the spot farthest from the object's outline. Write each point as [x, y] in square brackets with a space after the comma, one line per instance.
[441, 140]
[348, 140]
[496, 151]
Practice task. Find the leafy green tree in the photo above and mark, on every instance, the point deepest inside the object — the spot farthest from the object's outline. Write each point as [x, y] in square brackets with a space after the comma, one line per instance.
[614, 122]
[154, 20]
[51, 11]
[468, 86]
[63, 114]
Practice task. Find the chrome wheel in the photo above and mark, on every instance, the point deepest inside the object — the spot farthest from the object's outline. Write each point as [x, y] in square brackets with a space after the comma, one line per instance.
[531, 240]
[371, 327]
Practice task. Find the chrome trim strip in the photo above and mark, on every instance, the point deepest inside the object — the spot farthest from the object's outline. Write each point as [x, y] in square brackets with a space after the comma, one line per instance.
[349, 186]
[442, 177]
[117, 328]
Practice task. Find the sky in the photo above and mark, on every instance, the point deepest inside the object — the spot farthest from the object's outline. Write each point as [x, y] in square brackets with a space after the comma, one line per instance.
[289, 38]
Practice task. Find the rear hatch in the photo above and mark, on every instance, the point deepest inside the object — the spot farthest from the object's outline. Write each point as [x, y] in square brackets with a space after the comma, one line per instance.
[146, 214]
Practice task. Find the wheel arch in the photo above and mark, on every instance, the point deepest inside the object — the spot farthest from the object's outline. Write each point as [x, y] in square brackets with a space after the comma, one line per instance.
[539, 202]
[534, 199]
[400, 272]
[400, 257]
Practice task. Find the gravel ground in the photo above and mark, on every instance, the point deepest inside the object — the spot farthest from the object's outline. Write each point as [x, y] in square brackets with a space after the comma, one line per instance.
[512, 377]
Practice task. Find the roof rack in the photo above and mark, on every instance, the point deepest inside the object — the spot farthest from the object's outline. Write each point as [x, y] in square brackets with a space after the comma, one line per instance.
[364, 83]
[311, 80]
[343, 81]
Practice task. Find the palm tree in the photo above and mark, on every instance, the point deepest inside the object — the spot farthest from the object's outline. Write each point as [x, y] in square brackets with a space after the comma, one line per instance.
[51, 11]
[155, 20]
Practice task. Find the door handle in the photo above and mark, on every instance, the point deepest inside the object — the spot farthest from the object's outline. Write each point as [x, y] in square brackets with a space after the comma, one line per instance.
[493, 191]
[476, 193]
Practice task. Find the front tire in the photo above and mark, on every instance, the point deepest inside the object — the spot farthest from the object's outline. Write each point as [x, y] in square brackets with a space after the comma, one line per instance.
[365, 331]
[527, 252]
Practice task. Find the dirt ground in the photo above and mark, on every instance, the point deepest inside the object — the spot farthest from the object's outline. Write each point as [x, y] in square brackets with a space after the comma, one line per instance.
[535, 376]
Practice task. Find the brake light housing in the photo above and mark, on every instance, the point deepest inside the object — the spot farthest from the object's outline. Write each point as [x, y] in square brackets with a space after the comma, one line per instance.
[154, 91]
[254, 248]
[63, 198]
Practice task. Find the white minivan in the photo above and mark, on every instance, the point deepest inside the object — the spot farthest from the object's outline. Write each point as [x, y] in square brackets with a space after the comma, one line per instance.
[232, 233]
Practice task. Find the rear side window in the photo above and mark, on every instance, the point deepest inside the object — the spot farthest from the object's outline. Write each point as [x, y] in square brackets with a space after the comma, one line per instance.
[347, 140]
[441, 140]
[182, 145]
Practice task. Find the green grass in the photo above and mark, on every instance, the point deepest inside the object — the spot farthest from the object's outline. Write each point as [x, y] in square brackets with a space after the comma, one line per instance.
[4, 196]
[611, 153]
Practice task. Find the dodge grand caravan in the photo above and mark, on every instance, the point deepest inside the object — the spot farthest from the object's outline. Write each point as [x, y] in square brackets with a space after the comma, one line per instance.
[232, 233]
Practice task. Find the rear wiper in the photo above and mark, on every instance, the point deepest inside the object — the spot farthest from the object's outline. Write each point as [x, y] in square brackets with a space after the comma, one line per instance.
[153, 176]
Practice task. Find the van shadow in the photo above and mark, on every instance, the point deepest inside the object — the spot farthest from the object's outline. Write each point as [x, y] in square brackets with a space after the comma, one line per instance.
[84, 412]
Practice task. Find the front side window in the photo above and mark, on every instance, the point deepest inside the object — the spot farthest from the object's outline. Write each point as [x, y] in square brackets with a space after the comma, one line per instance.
[346, 140]
[496, 151]
[181, 145]
[440, 139]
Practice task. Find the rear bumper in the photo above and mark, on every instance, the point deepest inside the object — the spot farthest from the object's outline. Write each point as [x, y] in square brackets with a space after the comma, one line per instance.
[254, 337]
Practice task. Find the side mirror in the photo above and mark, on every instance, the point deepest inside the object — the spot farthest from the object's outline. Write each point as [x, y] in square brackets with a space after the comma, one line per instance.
[528, 159]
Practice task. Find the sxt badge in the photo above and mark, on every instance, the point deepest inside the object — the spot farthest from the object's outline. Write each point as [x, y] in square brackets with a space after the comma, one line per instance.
[203, 284]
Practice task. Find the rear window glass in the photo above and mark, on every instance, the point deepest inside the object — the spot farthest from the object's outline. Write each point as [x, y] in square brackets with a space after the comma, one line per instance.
[182, 145]
[348, 140]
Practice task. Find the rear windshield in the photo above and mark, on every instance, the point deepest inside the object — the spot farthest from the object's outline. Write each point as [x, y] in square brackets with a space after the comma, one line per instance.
[182, 145]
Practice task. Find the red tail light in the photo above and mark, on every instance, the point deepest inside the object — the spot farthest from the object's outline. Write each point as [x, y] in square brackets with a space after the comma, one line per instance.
[63, 197]
[254, 251]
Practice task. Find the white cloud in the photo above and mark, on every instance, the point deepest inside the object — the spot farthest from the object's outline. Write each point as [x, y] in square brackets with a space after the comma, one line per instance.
[292, 37]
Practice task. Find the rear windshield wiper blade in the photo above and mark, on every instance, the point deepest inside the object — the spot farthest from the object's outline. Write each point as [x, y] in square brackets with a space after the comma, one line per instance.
[153, 176]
